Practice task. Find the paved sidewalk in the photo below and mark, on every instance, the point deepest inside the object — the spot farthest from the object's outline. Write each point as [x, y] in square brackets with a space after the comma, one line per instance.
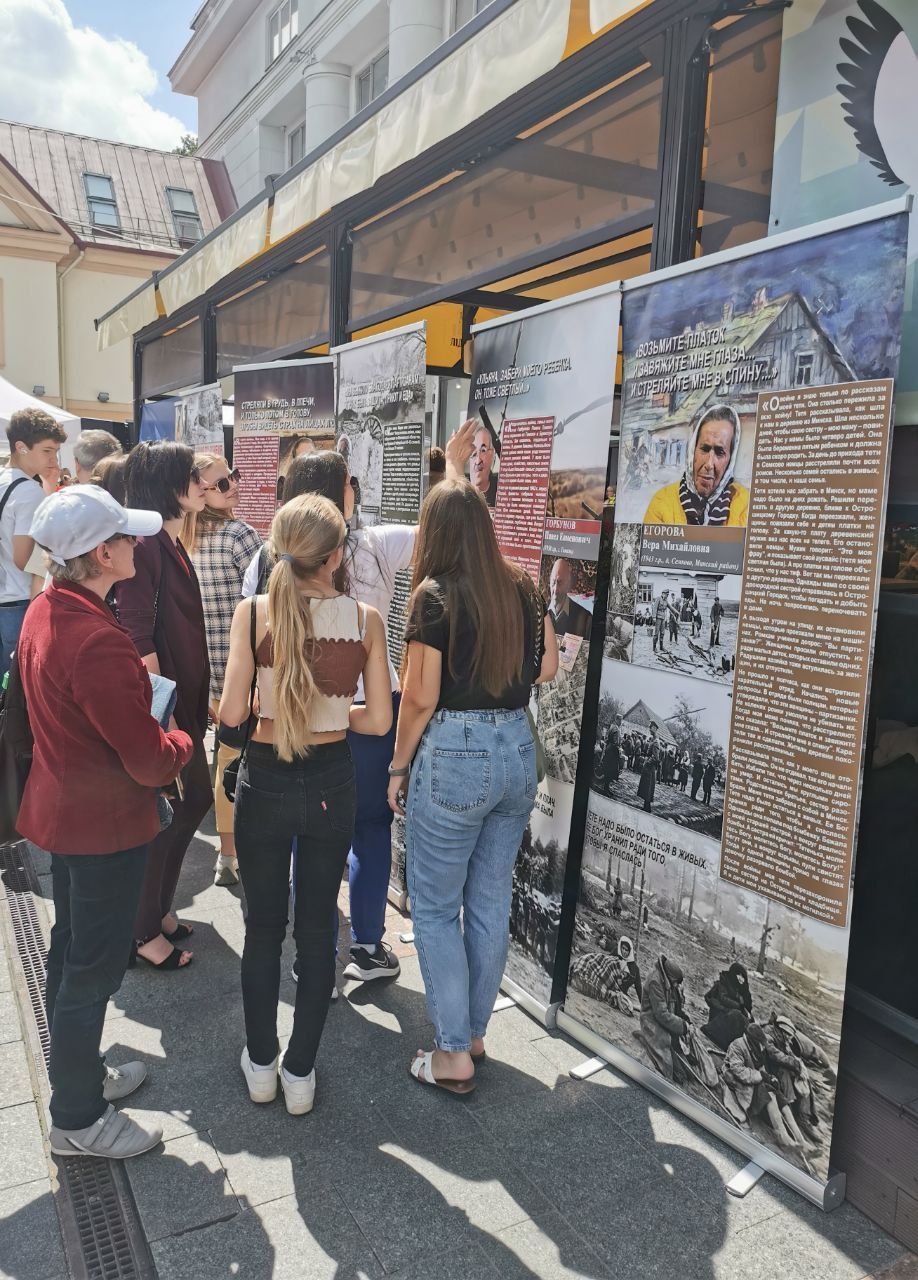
[534, 1175]
[30, 1242]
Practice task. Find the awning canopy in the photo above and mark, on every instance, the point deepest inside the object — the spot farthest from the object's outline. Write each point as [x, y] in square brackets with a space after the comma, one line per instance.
[520, 43]
[11, 399]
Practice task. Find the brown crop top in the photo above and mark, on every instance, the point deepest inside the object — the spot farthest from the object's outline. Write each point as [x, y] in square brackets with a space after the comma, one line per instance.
[337, 661]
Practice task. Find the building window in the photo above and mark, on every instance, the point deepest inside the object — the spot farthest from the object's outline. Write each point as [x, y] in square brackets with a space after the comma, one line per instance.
[296, 144]
[465, 10]
[373, 80]
[100, 196]
[185, 217]
[283, 26]
[803, 369]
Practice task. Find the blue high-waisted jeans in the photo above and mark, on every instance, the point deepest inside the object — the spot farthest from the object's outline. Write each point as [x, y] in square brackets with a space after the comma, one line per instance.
[472, 787]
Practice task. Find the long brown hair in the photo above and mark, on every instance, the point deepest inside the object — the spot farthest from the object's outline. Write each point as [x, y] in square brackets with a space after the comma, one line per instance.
[457, 547]
[198, 524]
[304, 533]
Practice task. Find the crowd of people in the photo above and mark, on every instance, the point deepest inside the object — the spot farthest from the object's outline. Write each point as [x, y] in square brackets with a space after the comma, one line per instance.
[154, 613]
[654, 761]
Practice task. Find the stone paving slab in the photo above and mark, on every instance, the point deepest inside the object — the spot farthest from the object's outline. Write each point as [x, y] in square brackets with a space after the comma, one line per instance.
[15, 1077]
[30, 1245]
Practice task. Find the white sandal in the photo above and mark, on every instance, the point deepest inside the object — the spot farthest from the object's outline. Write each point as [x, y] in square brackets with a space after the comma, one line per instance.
[424, 1063]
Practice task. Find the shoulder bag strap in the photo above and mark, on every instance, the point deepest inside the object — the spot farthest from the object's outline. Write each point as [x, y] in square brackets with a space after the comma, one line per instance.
[9, 489]
[251, 716]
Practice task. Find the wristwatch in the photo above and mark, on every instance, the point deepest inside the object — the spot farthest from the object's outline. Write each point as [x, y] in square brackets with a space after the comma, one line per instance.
[399, 773]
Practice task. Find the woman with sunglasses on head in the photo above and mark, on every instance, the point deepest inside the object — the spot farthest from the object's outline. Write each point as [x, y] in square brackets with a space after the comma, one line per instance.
[161, 609]
[311, 646]
[477, 641]
[220, 547]
[372, 558]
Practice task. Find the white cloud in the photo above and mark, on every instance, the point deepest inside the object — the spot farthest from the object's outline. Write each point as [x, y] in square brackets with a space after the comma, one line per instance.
[66, 77]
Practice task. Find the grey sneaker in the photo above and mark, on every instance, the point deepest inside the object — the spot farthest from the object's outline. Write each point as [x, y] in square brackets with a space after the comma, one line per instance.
[113, 1137]
[226, 872]
[120, 1081]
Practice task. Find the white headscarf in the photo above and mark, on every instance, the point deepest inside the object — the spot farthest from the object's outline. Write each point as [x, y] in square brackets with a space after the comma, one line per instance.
[724, 412]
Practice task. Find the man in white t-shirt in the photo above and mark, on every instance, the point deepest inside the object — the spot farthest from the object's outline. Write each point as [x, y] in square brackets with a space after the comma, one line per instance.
[34, 439]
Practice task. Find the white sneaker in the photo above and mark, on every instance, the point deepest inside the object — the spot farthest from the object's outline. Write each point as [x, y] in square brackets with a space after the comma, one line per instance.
[261, 1081]
[299, 1095]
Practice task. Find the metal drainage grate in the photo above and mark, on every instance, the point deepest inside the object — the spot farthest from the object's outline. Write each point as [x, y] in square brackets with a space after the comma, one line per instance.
[99, 1220]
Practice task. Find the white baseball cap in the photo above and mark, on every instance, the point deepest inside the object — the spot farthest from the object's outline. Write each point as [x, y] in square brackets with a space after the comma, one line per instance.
[80, 517]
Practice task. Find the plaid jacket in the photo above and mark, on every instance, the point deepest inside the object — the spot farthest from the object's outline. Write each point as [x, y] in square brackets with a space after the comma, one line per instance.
[220, 560]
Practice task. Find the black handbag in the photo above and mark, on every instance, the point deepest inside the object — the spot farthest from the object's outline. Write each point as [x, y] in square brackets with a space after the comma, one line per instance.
[244, 732]
[16, 746]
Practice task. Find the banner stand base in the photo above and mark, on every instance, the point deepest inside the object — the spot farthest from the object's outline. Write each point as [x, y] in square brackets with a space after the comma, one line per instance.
[825, 1195]
[515, 995]
[742, 1183]
[588, 1068]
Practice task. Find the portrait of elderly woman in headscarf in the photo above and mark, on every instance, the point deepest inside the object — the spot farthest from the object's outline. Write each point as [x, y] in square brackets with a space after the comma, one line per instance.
[706, 493]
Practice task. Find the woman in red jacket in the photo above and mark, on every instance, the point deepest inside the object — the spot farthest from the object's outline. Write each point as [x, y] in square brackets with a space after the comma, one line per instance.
[99, 759]
[161, 609]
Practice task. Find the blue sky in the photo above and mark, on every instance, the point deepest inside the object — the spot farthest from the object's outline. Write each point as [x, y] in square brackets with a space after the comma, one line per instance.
[96, 67]
[160, 28]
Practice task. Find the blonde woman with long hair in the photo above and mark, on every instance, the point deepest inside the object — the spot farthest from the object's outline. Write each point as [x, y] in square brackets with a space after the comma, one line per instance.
[220, 547]
[311, 645]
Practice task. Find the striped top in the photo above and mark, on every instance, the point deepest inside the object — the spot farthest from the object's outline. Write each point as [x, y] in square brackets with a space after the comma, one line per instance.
[337, 661]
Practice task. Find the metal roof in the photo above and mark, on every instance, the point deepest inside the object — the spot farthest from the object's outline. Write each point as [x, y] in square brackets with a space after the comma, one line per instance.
[53, 163]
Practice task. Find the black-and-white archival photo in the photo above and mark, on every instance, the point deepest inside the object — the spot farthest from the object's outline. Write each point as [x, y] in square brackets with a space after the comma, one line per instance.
[662, 746]
[624, 569]
[735, 999]
[687, 622]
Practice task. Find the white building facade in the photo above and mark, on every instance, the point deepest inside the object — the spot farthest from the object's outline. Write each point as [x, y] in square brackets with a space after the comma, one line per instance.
[275, 78]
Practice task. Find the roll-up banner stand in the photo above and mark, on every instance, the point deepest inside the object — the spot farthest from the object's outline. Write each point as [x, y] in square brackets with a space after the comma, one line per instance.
[542, 389]
[381, 431]
[711, 936]
[282, 410]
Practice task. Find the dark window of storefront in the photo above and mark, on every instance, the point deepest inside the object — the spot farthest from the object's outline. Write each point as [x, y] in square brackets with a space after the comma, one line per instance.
[286, 314]
[590, 174]
[739, 132]
[174, 360]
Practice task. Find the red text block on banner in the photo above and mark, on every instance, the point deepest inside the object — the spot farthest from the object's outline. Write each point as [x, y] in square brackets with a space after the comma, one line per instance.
[257, 457]
[522, 489]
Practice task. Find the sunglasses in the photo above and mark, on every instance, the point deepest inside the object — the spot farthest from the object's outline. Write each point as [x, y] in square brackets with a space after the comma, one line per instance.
[225, 483]
[123, 537]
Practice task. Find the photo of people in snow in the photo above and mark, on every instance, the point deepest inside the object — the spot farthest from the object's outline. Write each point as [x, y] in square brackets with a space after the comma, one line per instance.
[736, 1000]
[687, 622]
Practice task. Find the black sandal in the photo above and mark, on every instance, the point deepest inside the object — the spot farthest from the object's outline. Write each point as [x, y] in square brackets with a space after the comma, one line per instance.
[172, 960]
[179, 933]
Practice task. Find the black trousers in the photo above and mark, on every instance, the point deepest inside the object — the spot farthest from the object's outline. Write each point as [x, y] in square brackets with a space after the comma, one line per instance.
[167, 851]
[95, 901]
[314, 801]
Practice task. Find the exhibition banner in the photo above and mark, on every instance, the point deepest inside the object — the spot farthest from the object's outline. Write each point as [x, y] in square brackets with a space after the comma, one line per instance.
[382, 431]
[712, 930]
[542, 388]
[844, 134]
[281, 411]
[199, 419]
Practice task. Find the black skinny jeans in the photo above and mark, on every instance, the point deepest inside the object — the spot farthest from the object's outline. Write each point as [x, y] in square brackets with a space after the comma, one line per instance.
[313, 800]
[95, 900]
